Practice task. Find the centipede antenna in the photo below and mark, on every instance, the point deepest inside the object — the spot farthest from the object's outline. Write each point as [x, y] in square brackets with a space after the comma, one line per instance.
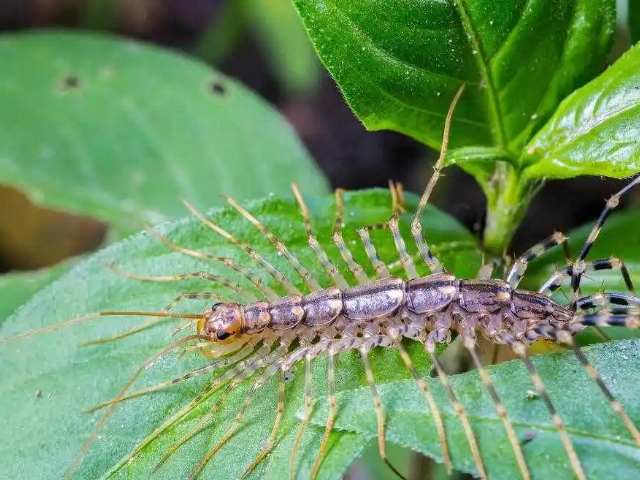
[74, 321]
[304, 274]
[257, 281]
[127, 333]
[317, 248]
[277, 275]
[416, 226]
[354, 267]
[101, 423]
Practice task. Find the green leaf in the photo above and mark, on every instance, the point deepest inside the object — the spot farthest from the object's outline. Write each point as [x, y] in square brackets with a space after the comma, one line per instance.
[120, 130]
[17, 288]
[400, 63]
[601, 441]
[41, 435]
[594, 131]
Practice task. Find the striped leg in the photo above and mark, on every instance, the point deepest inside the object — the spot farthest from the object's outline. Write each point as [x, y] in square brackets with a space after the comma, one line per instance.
[274, 431]
[579, 264]
[520, 350]
[416, 227]
[185, 276]
[424, 388]
[470, 344]
[382, 270]
[356, 269]
[607, 300]
[558, 277]
[520, 266]
[222, 363]
[249, 275]
[377, 403]
[460, 412]
[277, 275]
[304, 274]
[565, 337]
[333, 409]
[329, 267]
[110, 409]
[308, 409]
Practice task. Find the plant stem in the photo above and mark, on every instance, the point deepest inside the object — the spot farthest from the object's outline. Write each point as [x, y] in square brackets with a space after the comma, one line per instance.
[508, 198]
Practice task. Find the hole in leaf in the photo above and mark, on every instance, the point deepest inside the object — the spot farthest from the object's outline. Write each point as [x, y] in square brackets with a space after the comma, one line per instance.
[71, 82]
[217, 88]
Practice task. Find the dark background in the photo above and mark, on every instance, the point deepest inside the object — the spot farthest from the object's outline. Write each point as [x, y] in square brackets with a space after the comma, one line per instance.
[349, 156]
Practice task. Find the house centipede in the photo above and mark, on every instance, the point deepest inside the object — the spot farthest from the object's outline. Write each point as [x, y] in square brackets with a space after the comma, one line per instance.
[269, 334]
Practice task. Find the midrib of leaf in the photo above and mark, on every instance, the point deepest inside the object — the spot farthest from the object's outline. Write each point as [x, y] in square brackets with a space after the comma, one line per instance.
[495, 116]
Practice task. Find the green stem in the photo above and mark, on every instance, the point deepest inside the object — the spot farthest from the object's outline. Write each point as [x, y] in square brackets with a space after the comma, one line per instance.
[508, 197]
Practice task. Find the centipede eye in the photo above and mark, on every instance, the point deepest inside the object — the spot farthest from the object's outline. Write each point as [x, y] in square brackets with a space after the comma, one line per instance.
[222, 335]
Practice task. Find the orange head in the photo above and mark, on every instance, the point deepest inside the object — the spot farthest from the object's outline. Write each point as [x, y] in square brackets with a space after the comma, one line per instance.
[222, 322]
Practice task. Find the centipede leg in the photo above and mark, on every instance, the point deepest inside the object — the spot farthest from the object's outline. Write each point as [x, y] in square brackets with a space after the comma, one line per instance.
[103, 420]
[333, 409]
[304, 274]
[274, 431]
[521, 351]
[308, 410]
[257, 281]
[379, 408]
[579, 264]
[317, 248]
[424, 388]
[565, 337]
[470, 345]
[277, 275]
[461, 414]
[354, 267]
[522, 262]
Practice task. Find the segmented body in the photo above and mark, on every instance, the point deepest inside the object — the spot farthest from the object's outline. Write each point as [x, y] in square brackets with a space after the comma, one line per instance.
[435, 305]
[266, 336]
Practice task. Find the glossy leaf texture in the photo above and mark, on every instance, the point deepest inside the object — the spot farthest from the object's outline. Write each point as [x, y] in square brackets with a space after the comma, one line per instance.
[120, 130]
[40, 434]
[399, 63]
[595, 130]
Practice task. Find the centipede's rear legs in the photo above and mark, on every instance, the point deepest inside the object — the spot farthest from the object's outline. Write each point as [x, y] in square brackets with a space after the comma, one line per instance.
[469, 341]
[520, 349]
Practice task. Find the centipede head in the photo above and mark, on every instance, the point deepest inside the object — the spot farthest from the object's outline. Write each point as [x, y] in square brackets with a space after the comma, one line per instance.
[222, 323]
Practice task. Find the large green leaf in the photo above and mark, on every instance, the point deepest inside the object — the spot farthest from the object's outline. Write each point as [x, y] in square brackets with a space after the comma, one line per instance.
[121, 130]
[399, 63]
[41, 434]
[17, 288]
[595, 130]
[603, 444]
